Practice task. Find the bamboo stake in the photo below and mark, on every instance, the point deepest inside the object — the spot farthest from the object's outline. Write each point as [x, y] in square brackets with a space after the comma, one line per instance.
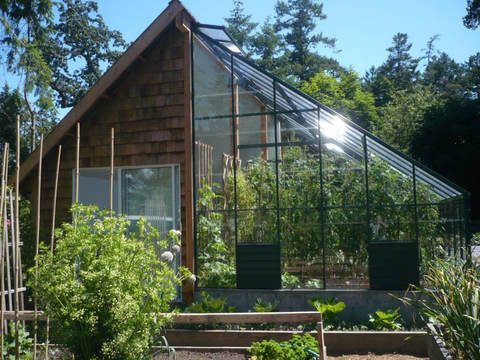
[55, 192]
[17, 236]
[77, 167]
[37, 244]
[111, 170]
[3, 202]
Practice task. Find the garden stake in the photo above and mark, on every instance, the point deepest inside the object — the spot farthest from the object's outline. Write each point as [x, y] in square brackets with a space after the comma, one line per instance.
[3, 220]
[54, 214]
[37, 244]
[111, 170]
[17, 238]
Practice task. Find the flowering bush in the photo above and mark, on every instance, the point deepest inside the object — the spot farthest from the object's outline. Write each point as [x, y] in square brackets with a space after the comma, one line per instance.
[106, 289]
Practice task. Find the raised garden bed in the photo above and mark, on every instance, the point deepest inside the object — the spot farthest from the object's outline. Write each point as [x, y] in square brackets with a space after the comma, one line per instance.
[337, 342]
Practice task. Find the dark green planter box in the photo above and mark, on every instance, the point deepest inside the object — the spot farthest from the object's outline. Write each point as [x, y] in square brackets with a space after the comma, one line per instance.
[393, 265]
[258, 266]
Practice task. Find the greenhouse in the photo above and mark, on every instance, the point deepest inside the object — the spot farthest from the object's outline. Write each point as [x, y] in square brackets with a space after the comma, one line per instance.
[290, 194]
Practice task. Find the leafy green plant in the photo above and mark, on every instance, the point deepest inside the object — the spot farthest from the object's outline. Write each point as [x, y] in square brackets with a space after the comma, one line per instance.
[299, 347]
[105, 286]
[24, 340]
[329, 309]
[266, 306]
[290, 281]
[452, 298]
[209, 304]
[385, 319]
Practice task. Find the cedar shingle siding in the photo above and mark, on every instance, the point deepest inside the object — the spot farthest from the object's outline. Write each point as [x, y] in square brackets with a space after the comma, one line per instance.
[147, 111]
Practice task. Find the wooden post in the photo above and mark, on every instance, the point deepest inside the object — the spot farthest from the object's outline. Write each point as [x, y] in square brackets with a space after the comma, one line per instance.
[37, 244]
[322, 349]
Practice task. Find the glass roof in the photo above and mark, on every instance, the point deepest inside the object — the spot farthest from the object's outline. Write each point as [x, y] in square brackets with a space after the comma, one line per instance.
[313, 120]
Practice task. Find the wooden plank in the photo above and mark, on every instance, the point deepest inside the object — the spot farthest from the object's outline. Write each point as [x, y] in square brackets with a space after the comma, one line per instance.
[248, 318]
[26, 315]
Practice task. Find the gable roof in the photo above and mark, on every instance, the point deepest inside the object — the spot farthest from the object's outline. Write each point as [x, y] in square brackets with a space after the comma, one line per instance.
[101, 89]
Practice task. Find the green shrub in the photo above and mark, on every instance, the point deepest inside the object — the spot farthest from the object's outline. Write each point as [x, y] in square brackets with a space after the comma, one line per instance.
[299, 348]
[452, 297]
[385, 320]
[105, 289]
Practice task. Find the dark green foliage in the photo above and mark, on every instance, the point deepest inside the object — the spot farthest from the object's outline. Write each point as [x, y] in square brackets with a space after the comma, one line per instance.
[210, 304]
[240, 27]
[299, 347]
[80, 35]
[472, 19]
[296, 22]
[448, 142]
[398, 72]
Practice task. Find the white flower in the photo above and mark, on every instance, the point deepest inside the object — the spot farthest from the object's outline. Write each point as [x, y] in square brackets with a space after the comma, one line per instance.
[191, 279]
[175, 249]
[167, 256]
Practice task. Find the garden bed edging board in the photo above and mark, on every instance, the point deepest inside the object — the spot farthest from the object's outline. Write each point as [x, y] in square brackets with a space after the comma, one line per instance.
[336, 342]
[437, 349]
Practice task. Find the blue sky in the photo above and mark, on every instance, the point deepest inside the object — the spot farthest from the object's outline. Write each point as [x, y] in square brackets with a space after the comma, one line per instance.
[363, 28]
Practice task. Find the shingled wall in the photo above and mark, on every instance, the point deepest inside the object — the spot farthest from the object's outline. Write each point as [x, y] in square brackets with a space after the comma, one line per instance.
[148, 113]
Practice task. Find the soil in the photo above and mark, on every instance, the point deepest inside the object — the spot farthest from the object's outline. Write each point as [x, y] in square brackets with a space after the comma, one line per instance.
[225, 355]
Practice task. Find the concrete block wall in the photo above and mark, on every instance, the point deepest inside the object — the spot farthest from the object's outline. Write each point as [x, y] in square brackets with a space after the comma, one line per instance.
[359, 303]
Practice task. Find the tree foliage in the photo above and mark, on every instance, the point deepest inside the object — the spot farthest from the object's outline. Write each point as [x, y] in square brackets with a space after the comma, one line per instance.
[241, 27]
[296, 22]
[44, 51]
[472, 19]
[345, 95]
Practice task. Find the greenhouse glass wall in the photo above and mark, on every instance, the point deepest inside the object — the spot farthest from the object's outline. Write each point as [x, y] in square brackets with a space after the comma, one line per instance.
[291, 194]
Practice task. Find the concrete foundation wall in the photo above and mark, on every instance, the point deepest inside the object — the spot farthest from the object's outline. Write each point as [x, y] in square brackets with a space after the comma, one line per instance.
[359, 303]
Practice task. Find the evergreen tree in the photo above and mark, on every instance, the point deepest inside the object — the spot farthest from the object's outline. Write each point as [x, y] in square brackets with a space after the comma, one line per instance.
[398, 72]
[296, 22]
[241, 27]
[471, 78]
[444, 75]
[472, 19]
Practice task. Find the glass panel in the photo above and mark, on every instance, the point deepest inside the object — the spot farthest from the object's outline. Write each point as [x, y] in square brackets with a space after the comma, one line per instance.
[299, 183]
[346, 259]
[213, 138]
[299, 127]
[94, 188]
[212, 82]
[393, 223]
[255, 89]
[150, 193]
[257, 226]
[302, 248]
